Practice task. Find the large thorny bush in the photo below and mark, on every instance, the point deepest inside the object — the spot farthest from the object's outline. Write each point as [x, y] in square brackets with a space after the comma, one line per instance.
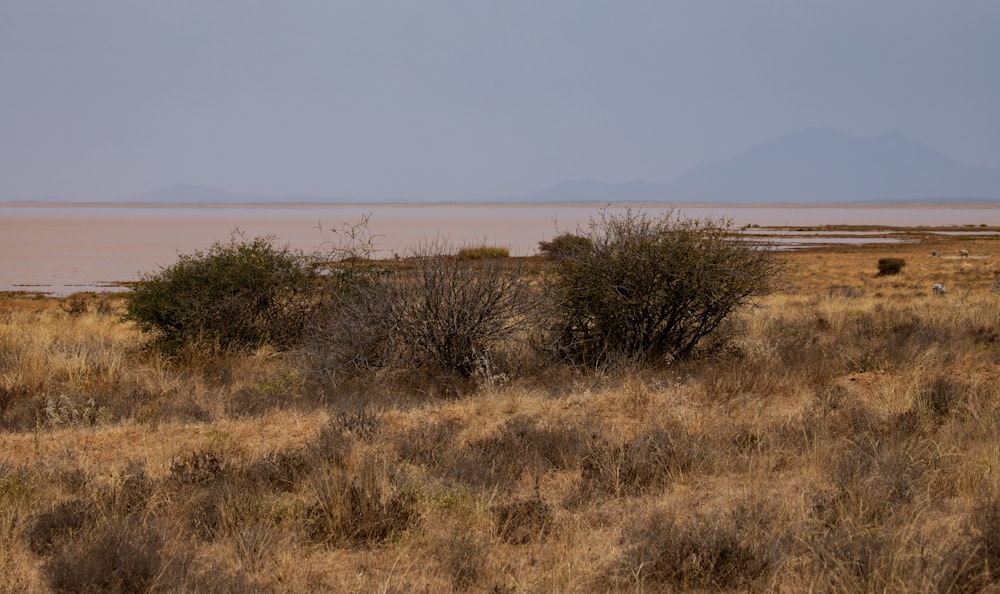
[644, 289]
[238, 294]
[437, 311]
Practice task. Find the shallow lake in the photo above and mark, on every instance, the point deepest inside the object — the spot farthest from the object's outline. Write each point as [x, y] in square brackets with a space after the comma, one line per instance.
[59, 249]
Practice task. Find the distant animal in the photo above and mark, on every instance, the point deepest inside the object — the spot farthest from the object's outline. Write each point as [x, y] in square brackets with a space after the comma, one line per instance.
[939, 289]
[933, 253]
[964, 253]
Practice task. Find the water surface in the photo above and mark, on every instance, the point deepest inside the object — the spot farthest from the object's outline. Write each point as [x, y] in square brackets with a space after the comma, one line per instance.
[60, 249]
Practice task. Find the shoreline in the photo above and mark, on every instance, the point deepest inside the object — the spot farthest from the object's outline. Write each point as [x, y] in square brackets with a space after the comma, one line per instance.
[576, 204]
[63, 247]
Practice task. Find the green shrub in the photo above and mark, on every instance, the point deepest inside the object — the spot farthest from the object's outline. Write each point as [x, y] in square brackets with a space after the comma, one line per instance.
[564, 244]
[643, 288]
[239, 295]
[889, 266]
[483, 251]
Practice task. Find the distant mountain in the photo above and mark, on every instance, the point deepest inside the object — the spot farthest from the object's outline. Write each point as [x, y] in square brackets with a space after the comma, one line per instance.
[184, 193]
[815, 165]
[822, 165]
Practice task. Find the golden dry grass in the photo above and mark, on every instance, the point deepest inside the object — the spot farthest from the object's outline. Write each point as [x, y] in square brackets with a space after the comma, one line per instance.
[842, 440]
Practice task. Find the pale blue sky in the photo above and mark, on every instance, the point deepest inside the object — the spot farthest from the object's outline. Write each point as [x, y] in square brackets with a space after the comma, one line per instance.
[448, 99]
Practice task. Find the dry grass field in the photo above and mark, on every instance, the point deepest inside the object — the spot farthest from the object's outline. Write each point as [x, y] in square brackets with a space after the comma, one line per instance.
[846, 438]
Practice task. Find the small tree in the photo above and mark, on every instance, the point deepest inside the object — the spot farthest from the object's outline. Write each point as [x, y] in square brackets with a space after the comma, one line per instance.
[648, 288]
[455, 311]
[238, 294]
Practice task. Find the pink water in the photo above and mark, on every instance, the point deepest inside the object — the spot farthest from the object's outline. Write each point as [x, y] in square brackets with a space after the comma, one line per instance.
[62, 249]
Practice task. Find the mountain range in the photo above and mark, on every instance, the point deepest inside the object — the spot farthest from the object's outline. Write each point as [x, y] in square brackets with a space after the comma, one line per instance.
[810, 166]
[815, 165]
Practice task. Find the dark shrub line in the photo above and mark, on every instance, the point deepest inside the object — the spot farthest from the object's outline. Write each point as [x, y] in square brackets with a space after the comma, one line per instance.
[633, 287]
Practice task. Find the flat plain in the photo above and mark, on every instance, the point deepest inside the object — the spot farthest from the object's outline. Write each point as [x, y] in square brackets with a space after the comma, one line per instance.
[843, 439]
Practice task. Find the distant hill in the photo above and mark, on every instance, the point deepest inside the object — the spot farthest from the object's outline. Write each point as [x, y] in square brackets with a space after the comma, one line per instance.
[815, 165]
[822, 165]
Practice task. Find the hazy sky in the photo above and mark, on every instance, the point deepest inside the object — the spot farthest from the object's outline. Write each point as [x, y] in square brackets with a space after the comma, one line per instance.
[450, 99]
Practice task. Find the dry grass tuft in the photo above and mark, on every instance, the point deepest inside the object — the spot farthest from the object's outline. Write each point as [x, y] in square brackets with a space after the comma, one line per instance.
[464, 557]
[198, 468]
[64, 520]
[361, 504]
[523, 520]
[116, 557]
[644, 465]
[714, 552]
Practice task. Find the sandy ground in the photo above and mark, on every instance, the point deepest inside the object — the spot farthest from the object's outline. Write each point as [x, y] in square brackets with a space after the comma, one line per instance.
[64, 248]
